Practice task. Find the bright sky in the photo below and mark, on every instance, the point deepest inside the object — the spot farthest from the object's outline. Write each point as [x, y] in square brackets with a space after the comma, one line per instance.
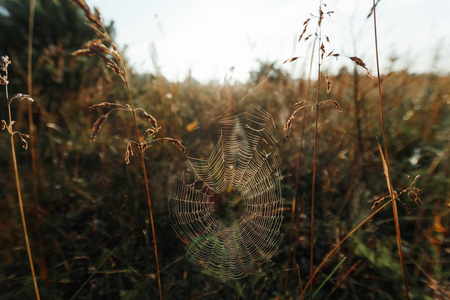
[209, 37]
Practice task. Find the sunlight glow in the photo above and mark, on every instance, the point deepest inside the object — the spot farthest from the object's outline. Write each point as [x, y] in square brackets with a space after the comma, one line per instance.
[207, 38]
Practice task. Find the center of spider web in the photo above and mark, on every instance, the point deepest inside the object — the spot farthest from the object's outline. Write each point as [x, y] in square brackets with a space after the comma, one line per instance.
[229, 205]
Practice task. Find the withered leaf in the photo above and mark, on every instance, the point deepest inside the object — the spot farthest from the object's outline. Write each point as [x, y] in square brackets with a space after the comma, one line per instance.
[3, 124]
[97, 126]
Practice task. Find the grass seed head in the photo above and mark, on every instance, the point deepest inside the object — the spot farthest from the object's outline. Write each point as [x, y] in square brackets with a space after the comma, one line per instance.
[128, 153]
[4, 63]
[177, 143]
[98, 126]
[360, 63]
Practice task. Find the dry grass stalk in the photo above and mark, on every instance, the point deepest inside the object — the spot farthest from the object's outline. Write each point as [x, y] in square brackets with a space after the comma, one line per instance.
[114, 61]
[292, 237]
[4, 63]
[324, 56]
[385, 159]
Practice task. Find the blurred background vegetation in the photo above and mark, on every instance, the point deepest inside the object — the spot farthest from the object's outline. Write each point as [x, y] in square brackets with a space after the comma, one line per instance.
[88, 218]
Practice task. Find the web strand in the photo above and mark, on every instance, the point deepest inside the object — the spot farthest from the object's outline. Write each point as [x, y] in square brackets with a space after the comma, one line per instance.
[229, 217]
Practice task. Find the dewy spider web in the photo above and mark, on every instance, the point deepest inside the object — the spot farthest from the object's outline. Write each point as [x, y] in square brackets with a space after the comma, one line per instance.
[230, 215]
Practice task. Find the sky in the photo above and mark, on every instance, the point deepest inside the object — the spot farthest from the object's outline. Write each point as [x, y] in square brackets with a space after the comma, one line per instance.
[211, 38]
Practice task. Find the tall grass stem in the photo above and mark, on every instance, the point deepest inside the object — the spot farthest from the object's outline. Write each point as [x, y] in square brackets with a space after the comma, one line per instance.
[313, 188]
[147, 189]
[387, 172]
[19, 195]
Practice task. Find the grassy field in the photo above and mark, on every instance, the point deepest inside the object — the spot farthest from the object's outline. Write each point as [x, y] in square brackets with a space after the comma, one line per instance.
[95, 213]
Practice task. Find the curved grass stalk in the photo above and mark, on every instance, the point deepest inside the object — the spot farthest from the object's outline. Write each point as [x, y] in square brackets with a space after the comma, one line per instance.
[4, 65]
[114, 61]
[335, 248]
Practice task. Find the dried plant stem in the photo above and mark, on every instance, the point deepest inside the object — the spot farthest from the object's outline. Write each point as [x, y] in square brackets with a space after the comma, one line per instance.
[313, 188]
[33, 149]
[313, 192]
[114, 61]
[30, 107]
[387, 172]
[151, 220]
[359, 159]
[19, 195]
[335, 248]
[297, 176]
[147, 189]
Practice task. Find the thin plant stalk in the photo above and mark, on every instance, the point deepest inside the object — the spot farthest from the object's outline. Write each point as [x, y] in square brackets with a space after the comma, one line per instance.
[335, 248]
[297, 173]
[34, 169]
[19, 195]
[330, 275]
[144, 171]
[97, 47]
[313, 188]
[30, 93]
[387, 171]
[360, 160]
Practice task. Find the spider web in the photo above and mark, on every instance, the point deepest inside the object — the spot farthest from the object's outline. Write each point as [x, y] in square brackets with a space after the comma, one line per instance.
[229, 215]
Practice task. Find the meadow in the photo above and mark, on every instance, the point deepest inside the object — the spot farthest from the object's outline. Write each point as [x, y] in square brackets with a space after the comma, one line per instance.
[106, 145]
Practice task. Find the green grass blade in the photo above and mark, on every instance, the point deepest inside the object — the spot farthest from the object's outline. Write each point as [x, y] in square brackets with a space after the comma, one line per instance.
[329, 276]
